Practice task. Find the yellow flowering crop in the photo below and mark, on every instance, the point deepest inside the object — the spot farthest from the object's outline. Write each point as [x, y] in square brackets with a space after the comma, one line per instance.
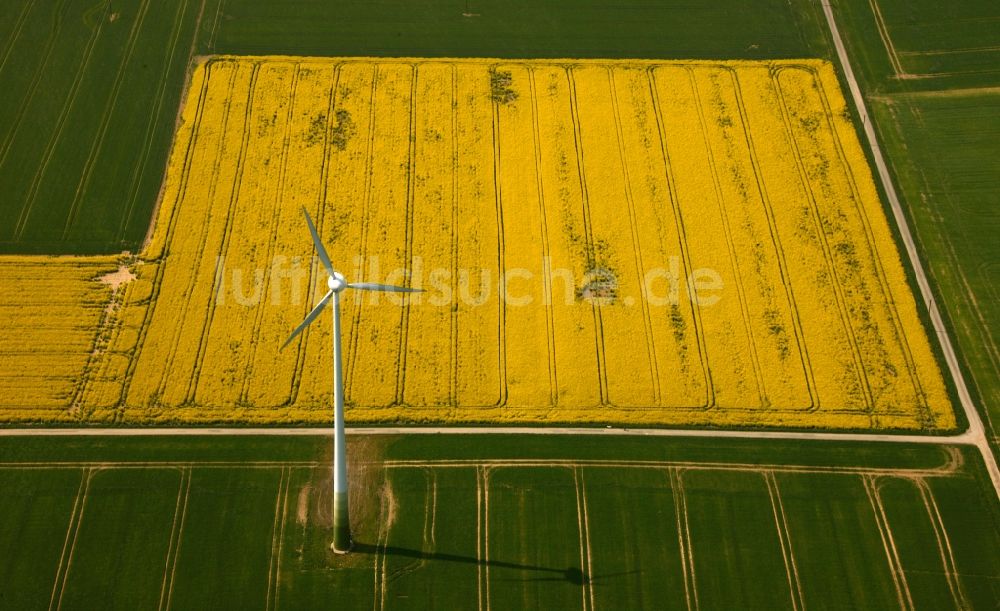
[57, 325]
[631, 242]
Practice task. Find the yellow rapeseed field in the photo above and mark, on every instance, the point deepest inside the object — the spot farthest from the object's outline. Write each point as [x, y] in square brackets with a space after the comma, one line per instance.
[631, 242]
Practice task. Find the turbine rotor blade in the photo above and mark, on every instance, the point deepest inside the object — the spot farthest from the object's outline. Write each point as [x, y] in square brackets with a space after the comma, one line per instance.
[320, 250]
[311, 317]
[388, 288]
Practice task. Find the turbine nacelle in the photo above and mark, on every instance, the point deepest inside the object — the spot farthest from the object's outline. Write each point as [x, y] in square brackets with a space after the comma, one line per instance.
[336, 282]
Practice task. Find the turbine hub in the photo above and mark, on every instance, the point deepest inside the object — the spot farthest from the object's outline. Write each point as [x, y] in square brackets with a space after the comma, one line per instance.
[336, 282]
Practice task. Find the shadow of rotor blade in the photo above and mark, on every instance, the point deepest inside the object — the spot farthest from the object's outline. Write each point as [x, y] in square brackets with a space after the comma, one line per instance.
[575, 576]
[571, 575]
[405, 552]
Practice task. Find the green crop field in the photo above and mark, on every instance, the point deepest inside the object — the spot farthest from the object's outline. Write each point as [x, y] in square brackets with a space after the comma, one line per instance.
[90, 95]
[904, 45]
[503, 522]
[729, 29]
[931, 76]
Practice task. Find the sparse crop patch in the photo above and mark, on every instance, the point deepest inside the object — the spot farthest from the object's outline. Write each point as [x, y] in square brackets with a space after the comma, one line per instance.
[501, 87]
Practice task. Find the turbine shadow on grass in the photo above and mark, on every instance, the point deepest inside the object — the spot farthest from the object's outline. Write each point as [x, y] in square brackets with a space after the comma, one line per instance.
[571, 574]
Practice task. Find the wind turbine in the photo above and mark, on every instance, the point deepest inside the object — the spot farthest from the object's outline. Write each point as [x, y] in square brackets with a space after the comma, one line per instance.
[337, 284]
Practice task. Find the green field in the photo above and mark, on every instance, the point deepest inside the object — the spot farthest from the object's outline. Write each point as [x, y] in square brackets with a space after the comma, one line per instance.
[91, 91]
[729, 29]
[940, 129]
[501, 522]
[907, 45]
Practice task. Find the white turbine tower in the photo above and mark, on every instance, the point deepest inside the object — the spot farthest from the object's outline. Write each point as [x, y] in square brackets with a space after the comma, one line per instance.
[337, 284]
